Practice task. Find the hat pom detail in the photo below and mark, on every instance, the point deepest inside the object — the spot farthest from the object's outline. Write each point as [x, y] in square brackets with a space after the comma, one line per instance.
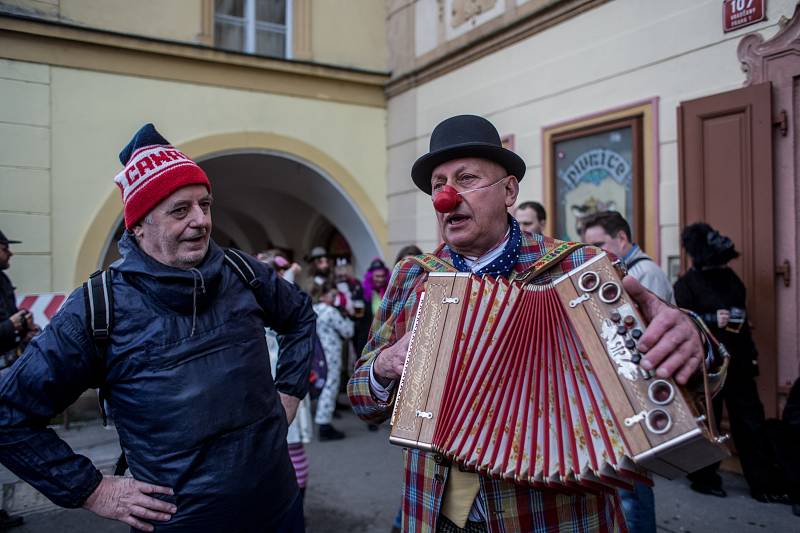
[146, 136]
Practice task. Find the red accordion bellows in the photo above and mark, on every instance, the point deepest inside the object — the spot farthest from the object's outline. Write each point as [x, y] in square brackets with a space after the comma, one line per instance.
[525, 374]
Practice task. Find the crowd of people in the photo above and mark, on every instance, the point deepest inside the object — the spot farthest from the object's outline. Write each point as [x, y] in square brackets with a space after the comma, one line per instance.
[219, 367]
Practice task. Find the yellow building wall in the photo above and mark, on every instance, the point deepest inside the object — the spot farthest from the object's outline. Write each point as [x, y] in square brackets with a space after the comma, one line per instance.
[351, 33]
[176, 20]
[347, 33]
[70, 159]
[25, 170]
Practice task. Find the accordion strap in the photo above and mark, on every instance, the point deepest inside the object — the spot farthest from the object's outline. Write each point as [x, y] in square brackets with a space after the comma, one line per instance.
[431, 263]
[548, 261]
[712, 423]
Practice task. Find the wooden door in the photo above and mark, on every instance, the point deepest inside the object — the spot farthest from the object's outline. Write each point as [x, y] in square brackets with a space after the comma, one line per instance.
[725, 179]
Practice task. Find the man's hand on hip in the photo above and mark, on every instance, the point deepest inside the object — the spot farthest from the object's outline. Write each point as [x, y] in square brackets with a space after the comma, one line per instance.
[128, 500]
[290, 404]
[388, 366]
[671, 343]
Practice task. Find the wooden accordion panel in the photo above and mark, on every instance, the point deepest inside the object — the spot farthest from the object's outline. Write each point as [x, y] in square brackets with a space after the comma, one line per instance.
[539, 384]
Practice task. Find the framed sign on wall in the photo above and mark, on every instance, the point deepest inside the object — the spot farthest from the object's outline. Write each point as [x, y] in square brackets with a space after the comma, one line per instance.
[604, 162]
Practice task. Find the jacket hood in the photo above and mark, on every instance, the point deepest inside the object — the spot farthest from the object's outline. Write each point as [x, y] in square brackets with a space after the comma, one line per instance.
[184, 291]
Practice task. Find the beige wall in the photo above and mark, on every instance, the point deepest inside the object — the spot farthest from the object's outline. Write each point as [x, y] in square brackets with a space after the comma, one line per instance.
[350, 33]
[57, 173]
[613, 55]
[424, 34]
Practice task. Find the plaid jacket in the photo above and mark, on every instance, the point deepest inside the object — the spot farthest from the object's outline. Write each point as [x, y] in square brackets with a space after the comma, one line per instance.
[511, 508]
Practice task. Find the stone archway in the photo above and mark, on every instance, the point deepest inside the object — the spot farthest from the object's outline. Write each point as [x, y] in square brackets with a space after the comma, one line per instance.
[274, 199]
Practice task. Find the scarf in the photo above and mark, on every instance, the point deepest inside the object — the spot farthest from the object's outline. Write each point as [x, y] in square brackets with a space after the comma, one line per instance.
[503, 264]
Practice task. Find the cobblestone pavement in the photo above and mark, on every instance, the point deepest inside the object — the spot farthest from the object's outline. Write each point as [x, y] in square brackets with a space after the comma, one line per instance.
[354, 487]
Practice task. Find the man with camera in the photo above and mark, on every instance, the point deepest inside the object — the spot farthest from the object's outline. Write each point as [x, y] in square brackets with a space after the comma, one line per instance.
[16, 325]
[16, 330]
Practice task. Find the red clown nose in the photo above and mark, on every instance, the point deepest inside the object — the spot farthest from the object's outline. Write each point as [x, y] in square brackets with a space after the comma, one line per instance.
[446, 199]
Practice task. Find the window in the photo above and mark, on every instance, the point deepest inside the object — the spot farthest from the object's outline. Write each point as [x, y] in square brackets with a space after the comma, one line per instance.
[261, 27]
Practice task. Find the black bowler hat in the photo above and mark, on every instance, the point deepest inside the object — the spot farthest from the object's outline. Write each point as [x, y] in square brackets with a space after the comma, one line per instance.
[464, 136]
[5, 240]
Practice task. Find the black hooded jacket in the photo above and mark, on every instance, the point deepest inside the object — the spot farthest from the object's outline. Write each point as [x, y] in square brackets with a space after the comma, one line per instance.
[189, 387]
[704, 291]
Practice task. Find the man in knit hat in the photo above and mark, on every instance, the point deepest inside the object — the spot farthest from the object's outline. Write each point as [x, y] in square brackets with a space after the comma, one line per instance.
[200, 420]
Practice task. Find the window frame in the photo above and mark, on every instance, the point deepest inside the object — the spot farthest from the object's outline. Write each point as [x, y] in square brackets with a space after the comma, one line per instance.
[643, 118]
[251, 26]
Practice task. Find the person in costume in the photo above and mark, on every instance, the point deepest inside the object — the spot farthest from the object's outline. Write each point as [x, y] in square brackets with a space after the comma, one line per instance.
[474, 180]
[334, 329]
[376, 280]
[300, 430]
[713, 290]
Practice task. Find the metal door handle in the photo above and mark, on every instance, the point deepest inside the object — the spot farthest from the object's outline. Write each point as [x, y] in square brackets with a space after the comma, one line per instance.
[785, 271]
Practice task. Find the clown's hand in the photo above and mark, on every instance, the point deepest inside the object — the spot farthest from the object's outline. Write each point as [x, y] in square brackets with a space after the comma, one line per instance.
[671, 343]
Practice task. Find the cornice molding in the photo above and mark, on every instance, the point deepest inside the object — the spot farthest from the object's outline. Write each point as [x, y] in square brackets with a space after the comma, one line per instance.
[755, 53]
[37, 41]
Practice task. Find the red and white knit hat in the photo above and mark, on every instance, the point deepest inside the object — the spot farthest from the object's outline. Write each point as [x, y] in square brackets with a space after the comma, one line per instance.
[153, 170]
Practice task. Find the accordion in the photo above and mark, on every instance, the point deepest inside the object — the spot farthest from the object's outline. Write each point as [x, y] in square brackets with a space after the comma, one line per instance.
[540, 384]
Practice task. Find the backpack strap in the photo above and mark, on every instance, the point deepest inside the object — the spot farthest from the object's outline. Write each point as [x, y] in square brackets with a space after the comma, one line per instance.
[431, 263]
[99, 301]
[636, 262]
[548, 261]
[100, 304]
[242, 268]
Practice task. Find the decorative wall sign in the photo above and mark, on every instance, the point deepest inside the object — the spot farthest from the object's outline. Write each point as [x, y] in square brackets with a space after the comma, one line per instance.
[462, 16]
[593, 173]
[607, 161]
[740, 13]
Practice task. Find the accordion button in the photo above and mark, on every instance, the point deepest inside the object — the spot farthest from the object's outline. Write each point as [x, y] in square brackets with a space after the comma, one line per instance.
[636, 357]
[630, 344]
[615, 317]
[622, 330]
[636, 333]
[629, 321]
